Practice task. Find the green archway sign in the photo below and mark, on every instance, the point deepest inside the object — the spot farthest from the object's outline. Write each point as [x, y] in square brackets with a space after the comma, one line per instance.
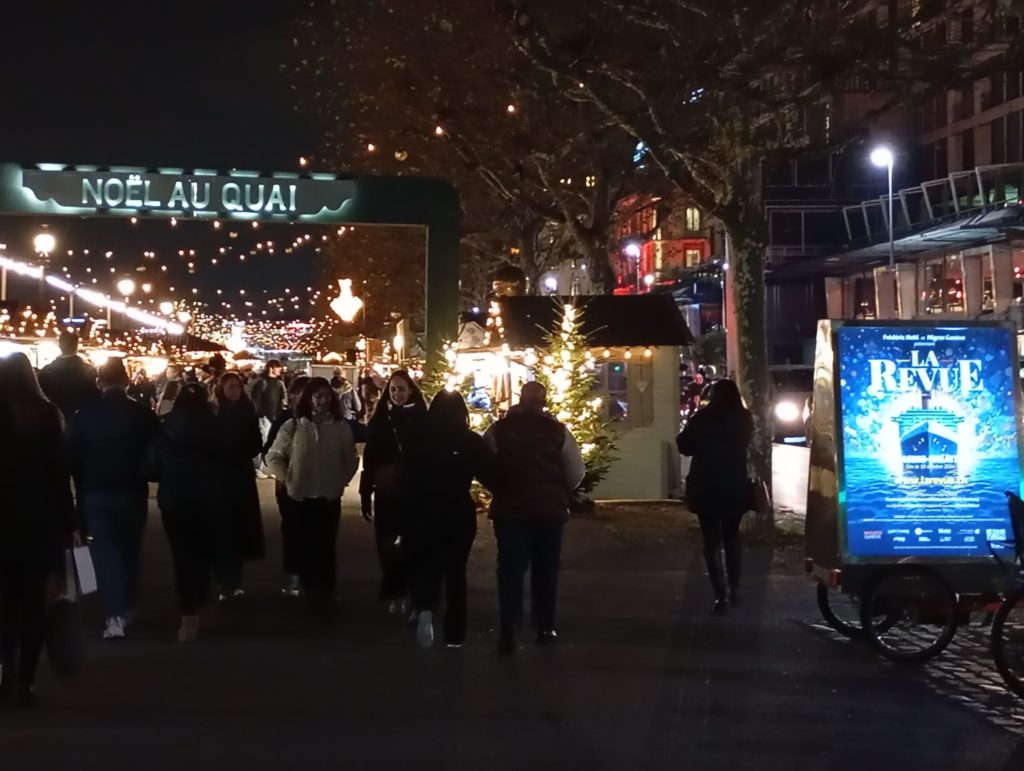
[311, 198]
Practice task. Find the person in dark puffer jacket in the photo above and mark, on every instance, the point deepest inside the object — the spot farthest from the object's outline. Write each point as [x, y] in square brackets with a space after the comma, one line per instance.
[539, 464]
[108, 441]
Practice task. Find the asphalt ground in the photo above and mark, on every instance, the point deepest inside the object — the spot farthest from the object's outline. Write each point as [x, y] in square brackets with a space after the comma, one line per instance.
[643, 678]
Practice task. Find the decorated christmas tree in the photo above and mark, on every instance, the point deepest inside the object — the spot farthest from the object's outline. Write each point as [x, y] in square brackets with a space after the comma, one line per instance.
[567, 369]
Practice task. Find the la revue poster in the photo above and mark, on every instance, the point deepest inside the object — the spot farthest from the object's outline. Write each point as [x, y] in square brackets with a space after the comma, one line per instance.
[929, 439]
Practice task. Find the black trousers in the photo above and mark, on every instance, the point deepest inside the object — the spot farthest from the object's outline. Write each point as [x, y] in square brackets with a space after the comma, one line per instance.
[22, 623]
[315, 536]
[390, 513]
[289, 552]
[191, 537]
[440, 549]
[537, 545]
[721, 532]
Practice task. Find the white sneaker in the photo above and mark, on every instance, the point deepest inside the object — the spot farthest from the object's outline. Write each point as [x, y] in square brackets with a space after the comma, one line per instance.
[291, 586]
[425, 629]
[114, 629]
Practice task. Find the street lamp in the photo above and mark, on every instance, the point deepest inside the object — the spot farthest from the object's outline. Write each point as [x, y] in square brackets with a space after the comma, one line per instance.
[649, 281]
[125, 287]
[633, 250]
[551, 284]
[166, 307]
[43, 243]
[882, 157]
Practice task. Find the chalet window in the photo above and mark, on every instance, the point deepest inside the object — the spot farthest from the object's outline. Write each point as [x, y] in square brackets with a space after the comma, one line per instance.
[612, 385]
[692, 219]
[692, 257]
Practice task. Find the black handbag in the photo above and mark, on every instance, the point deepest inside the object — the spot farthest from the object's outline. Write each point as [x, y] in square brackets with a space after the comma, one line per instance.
[760, 500]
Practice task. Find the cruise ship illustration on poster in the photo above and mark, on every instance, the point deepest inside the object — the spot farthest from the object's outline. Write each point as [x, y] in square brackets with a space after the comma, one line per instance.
[929, 440]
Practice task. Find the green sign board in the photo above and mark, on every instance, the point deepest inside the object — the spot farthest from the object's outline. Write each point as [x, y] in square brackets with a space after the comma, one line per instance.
[316, 198]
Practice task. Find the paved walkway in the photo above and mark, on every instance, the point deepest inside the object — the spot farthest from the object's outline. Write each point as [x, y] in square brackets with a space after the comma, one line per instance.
[644, 679]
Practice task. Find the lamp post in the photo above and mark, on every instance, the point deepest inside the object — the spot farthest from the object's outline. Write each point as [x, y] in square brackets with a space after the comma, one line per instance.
[125, 287]
[43, 243]
[633, 250]
[882, 157]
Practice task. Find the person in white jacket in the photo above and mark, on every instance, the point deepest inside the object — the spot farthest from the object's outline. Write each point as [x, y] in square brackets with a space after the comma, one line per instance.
[314, 454]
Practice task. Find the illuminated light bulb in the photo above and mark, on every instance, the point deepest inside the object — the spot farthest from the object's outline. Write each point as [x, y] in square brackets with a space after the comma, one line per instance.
[629, 354]
[648, 353]
[438, 131]
[216, 224]
[510, 109]
[174, 222]
[371, 148]
[303, 161]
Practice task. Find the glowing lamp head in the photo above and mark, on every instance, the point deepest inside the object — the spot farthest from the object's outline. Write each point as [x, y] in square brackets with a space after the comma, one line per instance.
[44, 243]
[632, 250]
[649, 280]
[882, 157]
[551, 284]
[125, 286]
[166, 307]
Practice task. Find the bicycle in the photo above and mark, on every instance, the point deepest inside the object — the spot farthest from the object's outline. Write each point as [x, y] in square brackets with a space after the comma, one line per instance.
[1008, 624]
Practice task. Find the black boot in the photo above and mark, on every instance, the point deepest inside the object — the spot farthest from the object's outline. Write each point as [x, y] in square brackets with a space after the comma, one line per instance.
[716, 573]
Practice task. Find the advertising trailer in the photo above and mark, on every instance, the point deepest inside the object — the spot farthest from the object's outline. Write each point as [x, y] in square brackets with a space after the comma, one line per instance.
[915, 436]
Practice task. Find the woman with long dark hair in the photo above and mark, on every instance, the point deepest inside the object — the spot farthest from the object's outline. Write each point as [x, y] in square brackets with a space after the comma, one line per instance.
[37, 522]
[240, 536]
[717, 487]
[442, 531]
[388, 485]
[314, 454]
[189, 499]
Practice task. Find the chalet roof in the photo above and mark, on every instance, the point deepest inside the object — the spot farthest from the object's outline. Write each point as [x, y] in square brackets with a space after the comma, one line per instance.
[608, 320]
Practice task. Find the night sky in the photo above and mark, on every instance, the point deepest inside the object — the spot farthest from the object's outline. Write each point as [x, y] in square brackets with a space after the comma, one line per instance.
[192, 83]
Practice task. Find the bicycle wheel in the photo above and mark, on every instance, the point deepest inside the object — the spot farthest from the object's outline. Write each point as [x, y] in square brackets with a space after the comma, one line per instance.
[1008, 640]
[840, 611]
[921, 614]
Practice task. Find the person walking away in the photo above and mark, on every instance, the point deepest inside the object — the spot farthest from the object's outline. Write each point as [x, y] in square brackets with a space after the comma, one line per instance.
[443, 528]
[107, 445]
[314, 454]
[188, 452]
[240, 524]
[37, 522]
[387, 487]
[351, 406]
[539, 464]
[285, 504]
[717, 487]
[68, 381]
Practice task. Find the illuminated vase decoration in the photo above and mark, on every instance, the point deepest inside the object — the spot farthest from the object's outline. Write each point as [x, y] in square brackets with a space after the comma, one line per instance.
[929, 440]
[346, 305]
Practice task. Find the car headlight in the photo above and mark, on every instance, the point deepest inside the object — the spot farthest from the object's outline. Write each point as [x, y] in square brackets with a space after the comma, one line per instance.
[786, 412]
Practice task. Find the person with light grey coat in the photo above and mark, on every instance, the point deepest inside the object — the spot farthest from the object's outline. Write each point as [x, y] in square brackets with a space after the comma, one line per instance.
[314, 455]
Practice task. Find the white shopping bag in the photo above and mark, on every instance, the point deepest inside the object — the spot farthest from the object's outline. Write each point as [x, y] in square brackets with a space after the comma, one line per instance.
[86, 571]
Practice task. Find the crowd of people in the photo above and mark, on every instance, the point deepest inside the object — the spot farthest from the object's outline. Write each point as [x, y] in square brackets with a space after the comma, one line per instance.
[81, 447]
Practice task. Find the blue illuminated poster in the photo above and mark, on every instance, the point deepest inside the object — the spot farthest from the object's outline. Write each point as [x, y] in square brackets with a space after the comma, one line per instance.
[929, 438]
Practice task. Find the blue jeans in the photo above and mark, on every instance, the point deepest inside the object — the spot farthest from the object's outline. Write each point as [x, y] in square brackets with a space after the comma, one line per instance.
[116, 522]
[537, 545]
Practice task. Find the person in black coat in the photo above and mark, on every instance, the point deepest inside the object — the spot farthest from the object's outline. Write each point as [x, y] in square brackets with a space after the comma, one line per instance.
[388, 484]
[717, 487]
[108, 440]
[241, 526]
[69, 381]
[37, 522]
[188, 496]
[443, 527]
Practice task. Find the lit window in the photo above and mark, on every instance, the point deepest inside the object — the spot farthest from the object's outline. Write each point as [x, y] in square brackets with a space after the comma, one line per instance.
[612, 384]
[692, 219]
[692, 257]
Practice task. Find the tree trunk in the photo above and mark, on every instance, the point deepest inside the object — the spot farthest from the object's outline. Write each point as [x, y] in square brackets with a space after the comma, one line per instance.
[744, 222]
